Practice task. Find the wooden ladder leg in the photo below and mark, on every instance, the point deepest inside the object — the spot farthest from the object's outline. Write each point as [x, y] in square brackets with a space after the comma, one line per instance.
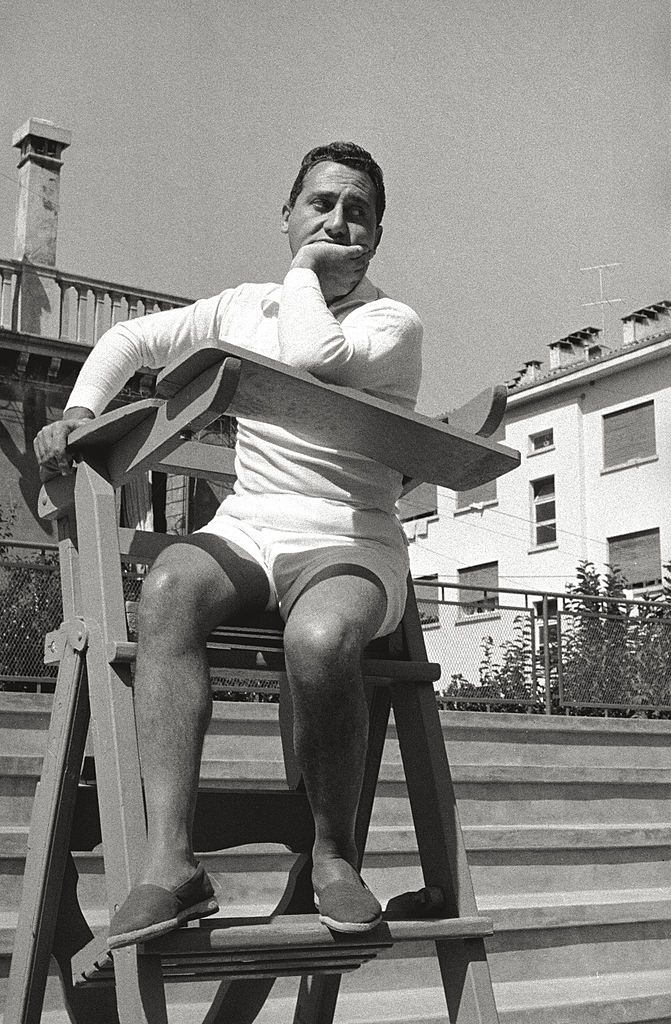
[463, 966]
[239, 1001]
[50, 828]
[138, 976]
[72, 934]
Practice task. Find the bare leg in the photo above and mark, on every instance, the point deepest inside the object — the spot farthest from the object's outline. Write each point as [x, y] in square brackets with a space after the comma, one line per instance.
[326, 632]
[191, 589]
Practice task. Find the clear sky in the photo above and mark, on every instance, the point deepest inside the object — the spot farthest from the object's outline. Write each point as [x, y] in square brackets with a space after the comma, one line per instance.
[520, 140]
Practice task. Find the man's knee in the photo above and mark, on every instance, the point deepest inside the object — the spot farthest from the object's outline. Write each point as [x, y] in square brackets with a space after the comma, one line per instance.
[315, 644]
[177, 593]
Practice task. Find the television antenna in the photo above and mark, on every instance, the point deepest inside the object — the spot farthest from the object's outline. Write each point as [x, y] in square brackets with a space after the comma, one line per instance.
[602, 301]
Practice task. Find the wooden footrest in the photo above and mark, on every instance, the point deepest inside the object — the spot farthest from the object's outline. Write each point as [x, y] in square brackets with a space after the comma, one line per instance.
[295, 944]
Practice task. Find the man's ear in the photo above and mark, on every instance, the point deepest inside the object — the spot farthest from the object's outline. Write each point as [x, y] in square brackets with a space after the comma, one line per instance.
[284, 221]
[378, 236]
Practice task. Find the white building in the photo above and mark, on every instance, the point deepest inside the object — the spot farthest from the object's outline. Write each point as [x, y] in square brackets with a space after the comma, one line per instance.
[594, 483]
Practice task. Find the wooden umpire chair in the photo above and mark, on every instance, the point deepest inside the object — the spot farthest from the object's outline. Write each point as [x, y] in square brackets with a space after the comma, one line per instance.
[95, 651]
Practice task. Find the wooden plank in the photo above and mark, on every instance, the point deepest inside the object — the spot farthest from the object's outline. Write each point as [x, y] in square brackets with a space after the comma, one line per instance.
[295, 931]
[343, 418]
[220, 658]
[340, 418]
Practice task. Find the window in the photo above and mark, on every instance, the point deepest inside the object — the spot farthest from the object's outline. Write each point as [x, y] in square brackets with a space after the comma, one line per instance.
[629, 435]
[638, 557]
[543, 513]
[540, 441]
[427, 600]
[477, 601]
[552, 634]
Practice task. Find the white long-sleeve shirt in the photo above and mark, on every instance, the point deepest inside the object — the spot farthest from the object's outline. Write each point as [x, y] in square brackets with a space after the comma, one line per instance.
[366, 341]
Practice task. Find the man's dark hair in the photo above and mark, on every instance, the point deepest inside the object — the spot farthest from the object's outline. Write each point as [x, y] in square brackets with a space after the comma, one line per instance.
[351, 155]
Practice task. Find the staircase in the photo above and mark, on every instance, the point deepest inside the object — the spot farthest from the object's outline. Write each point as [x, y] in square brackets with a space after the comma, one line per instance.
[568, 826]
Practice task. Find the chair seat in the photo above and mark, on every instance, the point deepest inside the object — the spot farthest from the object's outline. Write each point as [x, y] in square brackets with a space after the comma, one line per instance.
[291, 945]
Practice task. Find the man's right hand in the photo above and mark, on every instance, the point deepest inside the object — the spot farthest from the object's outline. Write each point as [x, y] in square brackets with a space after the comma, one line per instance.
[50, 444]
[338, 267]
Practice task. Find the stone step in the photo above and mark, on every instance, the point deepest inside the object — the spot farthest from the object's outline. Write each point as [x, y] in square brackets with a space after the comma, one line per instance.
[559, 858]
[556, 739]
[503, 860]
[488, 794]
[470, 736]
[594, 934]
[409, 985]
[627, 998]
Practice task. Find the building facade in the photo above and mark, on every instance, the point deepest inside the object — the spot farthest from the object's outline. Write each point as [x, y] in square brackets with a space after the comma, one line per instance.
[49, 321]
[594, 483]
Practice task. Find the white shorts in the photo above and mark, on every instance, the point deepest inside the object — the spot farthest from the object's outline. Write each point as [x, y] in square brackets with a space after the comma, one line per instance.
[291, 558]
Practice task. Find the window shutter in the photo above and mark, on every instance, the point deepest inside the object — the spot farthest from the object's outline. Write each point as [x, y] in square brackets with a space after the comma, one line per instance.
[484, 576]
[629, 434]
[638, 557]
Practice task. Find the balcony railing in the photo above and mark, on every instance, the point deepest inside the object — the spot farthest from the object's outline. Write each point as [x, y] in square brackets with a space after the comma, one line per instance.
[567, 653]
[88, 307]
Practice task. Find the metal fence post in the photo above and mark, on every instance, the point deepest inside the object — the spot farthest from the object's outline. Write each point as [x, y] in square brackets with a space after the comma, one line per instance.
[546, 657]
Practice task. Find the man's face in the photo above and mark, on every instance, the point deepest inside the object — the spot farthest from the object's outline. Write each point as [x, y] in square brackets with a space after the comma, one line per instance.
[336, 204]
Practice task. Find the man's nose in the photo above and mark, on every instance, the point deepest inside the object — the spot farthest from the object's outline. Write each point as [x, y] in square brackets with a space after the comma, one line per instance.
[335, 224]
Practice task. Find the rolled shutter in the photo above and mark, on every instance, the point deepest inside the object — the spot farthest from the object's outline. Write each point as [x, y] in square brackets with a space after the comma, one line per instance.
[638, 557]
[629, 434]
[484, 576]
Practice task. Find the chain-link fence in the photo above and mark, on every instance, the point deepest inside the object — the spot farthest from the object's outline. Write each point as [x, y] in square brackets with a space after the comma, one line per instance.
[30, 606]
[499, 649]
[614, 654]
[525, 650]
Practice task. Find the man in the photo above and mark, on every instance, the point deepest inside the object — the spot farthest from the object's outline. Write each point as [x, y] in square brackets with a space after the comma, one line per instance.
[310, 530]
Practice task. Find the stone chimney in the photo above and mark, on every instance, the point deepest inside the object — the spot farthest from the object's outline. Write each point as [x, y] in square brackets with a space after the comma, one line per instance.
[41, 144]
[645, 323]
[529, 373]
[574, 348]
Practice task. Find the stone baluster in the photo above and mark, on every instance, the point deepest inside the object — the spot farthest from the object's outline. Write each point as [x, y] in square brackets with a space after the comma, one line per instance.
[82, 302]
[132, 301]
[115, 312]
[99, 325]
[7, 284]
[64, 319]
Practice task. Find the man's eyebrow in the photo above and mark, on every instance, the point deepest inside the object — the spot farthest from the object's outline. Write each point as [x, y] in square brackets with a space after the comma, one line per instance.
[325, 193]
